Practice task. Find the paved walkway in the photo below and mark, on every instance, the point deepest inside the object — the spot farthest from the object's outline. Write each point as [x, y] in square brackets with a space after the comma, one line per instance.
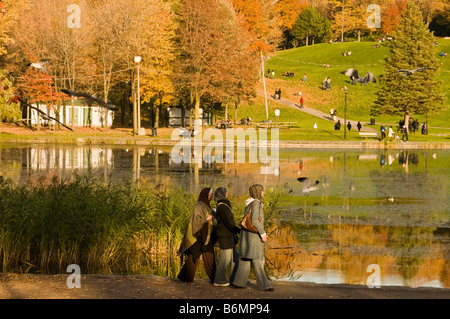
[316, 113]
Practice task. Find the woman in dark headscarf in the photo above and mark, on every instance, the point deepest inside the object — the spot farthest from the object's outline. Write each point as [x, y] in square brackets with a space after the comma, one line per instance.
[251, 249]
[197, 239]
[226, 232]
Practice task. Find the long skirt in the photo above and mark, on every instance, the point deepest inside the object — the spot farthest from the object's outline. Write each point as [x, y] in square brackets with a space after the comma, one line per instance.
[187, 273]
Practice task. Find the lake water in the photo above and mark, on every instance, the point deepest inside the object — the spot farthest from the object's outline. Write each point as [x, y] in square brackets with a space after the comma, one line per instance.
[345, 232]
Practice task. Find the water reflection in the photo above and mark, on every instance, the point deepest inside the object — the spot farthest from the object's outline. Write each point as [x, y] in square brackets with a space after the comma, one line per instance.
[329, 236]
[341, 253]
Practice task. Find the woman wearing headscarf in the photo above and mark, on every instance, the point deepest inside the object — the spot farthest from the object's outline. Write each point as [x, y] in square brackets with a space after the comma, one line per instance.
[197, 239]
[226, 233]
[251, 249]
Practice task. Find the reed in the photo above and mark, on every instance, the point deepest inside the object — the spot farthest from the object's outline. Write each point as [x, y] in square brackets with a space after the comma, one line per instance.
[103, 227]
[107, 228]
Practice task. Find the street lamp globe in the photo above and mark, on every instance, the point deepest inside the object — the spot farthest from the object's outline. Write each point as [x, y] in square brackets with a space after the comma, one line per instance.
[137, 59]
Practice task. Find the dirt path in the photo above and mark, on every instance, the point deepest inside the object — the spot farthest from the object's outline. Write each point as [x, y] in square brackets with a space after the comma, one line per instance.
[13, 286]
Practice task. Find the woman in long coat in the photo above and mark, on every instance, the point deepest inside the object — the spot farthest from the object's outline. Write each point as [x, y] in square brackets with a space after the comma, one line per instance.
[251, 249]
[226, 233]
[197, 239]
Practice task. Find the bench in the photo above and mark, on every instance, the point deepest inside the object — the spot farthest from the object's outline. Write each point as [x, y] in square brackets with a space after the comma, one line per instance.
[368, 134]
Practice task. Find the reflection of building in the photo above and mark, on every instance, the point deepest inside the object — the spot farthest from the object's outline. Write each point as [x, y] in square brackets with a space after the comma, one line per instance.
[83, 115]
[69, 158]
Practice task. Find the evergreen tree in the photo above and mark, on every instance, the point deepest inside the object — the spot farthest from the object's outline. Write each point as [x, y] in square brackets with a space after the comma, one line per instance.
[311, 24]
[411, 48]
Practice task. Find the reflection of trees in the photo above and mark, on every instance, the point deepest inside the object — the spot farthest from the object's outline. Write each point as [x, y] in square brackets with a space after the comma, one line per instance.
[409, 240]
[442, 235]
[358, 246]
[285, 252]
[410, 246]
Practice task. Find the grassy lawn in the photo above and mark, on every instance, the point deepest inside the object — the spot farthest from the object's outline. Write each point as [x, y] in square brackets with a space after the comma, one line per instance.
[364, 58]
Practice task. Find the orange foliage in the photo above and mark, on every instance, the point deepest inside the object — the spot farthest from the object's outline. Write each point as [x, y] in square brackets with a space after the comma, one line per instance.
[392, 15]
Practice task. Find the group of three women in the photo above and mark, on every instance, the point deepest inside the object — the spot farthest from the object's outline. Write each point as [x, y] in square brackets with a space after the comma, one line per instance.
[199, 241]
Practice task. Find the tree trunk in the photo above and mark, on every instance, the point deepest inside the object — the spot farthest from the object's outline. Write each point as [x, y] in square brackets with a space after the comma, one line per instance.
[307, 40]
[226, 111]
[183, 115]
[157, 111]
[359, 35]
[197, 111]
[38, 122]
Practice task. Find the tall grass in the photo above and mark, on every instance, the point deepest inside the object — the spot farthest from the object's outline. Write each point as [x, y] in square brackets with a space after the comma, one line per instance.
[105, 228]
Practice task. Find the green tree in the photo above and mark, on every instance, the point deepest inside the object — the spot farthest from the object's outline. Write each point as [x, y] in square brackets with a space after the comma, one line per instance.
[411, 48]
[311, 24]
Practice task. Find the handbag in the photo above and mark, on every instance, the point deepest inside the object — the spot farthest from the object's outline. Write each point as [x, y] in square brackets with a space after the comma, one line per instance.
[246, 222]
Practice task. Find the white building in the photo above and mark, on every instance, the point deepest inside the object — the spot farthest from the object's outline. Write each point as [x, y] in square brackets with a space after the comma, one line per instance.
[84, 115]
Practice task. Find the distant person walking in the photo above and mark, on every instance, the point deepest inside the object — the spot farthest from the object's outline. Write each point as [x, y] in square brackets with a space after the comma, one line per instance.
[349, 126]
[383, 131]
[304, 77]
[359, 126]
[301, 101]
[337, 126]
[251, 250]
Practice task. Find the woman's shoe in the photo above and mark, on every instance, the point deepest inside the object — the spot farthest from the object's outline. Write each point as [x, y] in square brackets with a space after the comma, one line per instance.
[269, 289]
[222, 285]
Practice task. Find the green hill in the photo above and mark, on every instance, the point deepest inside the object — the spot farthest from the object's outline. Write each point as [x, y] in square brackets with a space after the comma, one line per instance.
[364, 57]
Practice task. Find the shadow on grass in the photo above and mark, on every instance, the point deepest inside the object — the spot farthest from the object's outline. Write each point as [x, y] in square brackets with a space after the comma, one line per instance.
[335, 135]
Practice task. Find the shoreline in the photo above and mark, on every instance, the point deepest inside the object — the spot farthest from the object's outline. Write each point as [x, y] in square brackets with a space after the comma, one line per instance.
[287, 144]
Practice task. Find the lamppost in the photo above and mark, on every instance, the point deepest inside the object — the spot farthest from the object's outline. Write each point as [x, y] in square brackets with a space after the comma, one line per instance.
[345, 113]
[264, 84]
[137, 59]
[342, 34]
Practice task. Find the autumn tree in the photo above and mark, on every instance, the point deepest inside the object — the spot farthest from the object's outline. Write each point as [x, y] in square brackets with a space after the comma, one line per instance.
[43, 32]
[350, 17]
[124, 30]
[392, 15]
[411, 48]
[430, 8]
[9, 107]
[288, 12]
[208, 51]
[39, 88]
[261, 21]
